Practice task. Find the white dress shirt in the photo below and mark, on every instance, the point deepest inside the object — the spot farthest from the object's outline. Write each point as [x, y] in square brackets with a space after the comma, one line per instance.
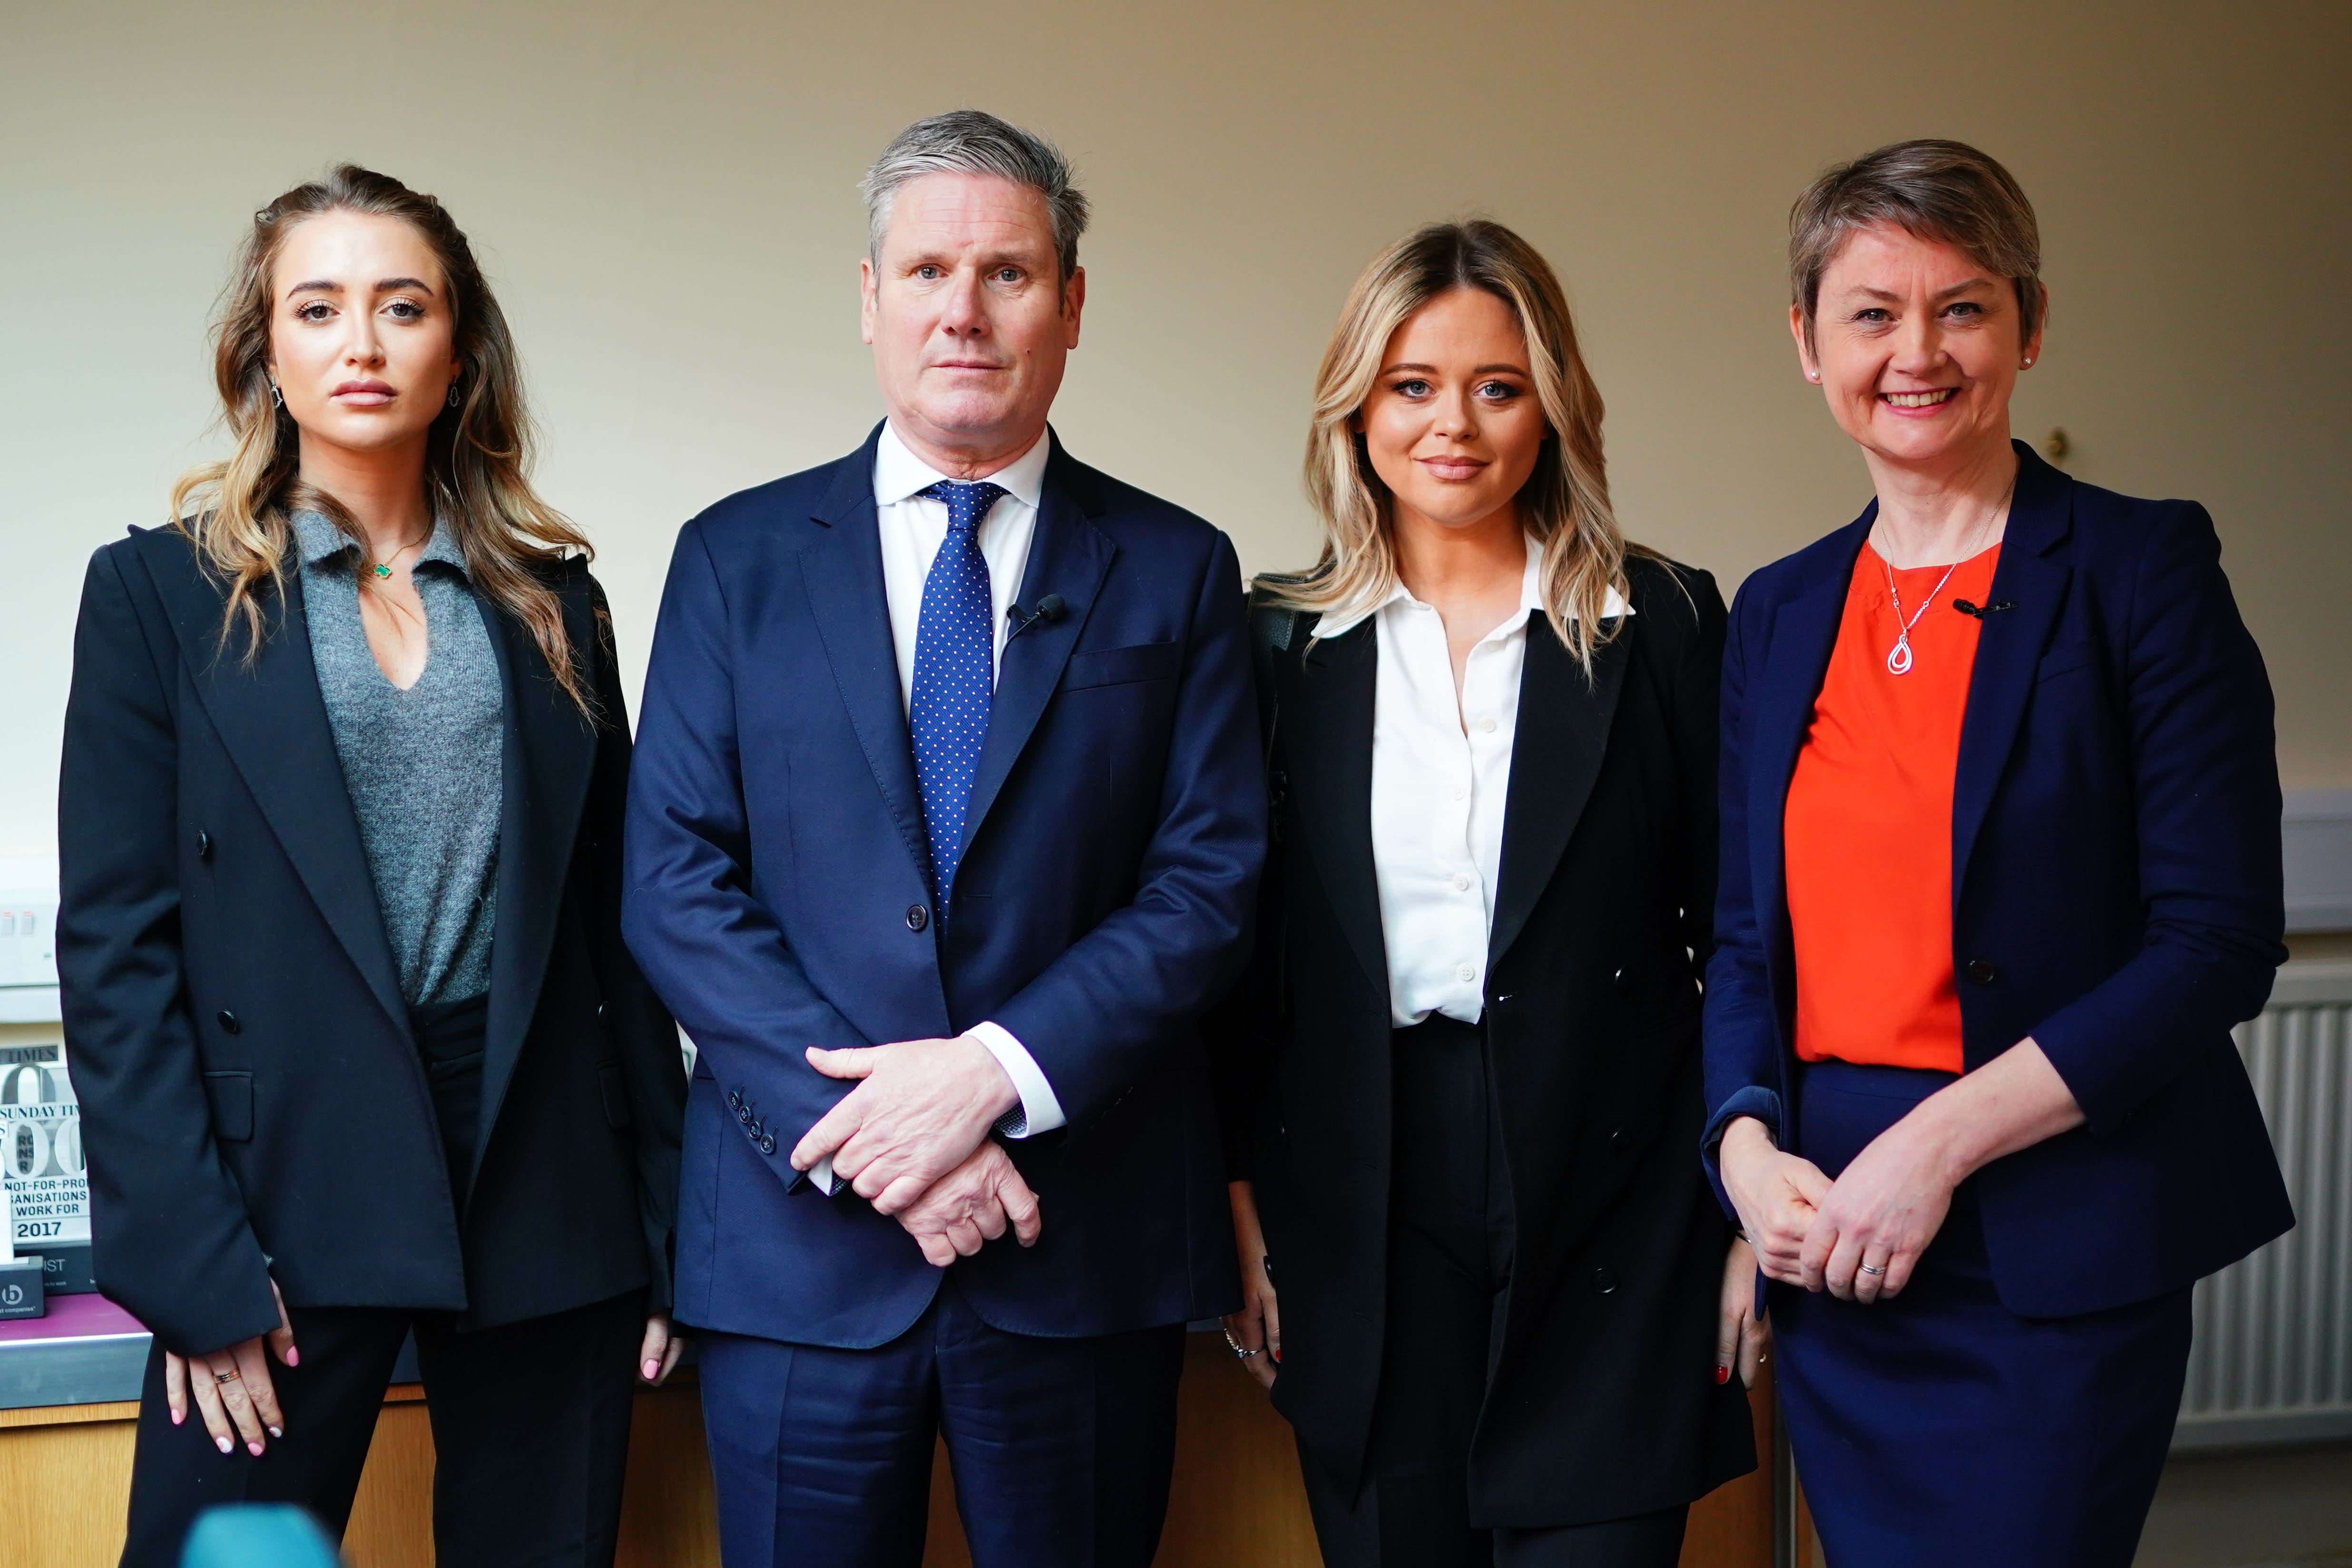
[1441, 778]
[913, 527]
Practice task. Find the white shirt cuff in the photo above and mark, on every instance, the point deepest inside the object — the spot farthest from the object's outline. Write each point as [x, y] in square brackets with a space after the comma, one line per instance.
[821, 1174]
[1040, 1112]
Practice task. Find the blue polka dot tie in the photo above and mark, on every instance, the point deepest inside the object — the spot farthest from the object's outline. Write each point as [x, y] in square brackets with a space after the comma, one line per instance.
[955, 655]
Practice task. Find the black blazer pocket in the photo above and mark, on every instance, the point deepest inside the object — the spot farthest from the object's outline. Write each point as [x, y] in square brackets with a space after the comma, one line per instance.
[2064, 658]
[617, 1096]
[1122, 666]
[232, 1097]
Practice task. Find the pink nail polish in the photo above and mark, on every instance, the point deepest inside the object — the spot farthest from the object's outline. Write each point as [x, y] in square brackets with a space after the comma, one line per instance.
[653, 1369]
[254, 1448]
[293, 1357]
[178, 1417]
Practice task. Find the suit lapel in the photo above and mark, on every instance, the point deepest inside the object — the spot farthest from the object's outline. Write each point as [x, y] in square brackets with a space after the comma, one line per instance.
[1562, 736]
[1803, 633]
[273, 722]
[2008, 647]
[1328, 760]
[1069, 556]
[547, 756]
[841, 569]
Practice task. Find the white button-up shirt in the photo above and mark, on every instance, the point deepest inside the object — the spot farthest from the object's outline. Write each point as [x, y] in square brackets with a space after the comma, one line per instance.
[913, 526]
[1441, 778]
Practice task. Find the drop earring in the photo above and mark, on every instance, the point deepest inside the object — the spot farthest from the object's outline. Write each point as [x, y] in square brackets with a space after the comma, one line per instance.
[453, 395]
[277, 398]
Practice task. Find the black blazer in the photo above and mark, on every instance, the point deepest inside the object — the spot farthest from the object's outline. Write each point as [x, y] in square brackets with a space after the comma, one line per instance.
[253, 1103]
[1601, 1400]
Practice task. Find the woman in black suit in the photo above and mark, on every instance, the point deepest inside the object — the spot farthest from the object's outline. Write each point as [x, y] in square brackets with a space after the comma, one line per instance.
[360, 1051]
[1461, 1084]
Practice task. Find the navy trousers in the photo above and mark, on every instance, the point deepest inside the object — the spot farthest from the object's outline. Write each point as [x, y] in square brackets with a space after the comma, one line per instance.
[1061, 1449]
[1939, 1427]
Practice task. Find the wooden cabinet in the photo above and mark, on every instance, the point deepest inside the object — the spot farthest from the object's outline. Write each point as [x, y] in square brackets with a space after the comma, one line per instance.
[65, 1476]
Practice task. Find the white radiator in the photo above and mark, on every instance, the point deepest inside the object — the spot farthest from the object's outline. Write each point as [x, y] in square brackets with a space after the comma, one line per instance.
[2272, 1362]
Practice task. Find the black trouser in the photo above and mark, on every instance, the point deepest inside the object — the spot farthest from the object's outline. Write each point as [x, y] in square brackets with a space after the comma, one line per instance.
[531, 1421]
[1449, 1240]
[530, 1431]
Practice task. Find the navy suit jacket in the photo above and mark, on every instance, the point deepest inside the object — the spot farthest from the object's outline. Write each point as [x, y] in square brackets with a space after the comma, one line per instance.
[2116, 885]
[778, 896]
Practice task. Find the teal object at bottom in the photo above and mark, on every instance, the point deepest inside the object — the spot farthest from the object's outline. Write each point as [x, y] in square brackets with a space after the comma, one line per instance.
[257, 1535]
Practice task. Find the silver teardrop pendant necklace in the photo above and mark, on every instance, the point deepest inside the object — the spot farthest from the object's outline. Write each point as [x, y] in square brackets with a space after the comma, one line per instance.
[1898, 657]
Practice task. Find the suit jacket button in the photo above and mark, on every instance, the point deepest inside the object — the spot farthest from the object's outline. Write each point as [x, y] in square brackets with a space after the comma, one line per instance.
[1620, 980]
[1616, 1139]
[1604, 1281]
[917, 917]
[203, 845]
[767, 1145]
[1982, 972]
[228, 1021]
[602, 1011]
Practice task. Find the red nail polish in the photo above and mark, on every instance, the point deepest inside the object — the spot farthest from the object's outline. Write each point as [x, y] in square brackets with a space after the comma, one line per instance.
[1722, 1375]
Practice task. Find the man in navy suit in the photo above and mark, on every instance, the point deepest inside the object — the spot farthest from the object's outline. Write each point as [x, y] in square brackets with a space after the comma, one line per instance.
[945, 825]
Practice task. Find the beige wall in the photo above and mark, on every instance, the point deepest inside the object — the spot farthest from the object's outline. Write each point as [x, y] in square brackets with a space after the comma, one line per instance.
[664, 192]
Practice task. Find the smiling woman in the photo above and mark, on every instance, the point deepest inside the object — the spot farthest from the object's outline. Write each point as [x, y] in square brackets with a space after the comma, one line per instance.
[2003, 728]
[1462, 1082]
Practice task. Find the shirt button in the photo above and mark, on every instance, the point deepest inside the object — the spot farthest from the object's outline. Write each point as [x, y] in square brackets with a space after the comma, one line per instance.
[1461, 883]
[1460, 792]
[1486, 726]
[1468, 971]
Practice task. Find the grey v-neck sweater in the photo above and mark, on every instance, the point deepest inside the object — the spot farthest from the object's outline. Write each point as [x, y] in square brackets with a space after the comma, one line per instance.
[425, 766]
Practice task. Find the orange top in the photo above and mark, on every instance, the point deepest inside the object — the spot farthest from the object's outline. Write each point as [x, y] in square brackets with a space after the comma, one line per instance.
[1868, 827]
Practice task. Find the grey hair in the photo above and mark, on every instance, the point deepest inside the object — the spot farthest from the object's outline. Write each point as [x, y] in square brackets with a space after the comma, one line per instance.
[1938, 190]
[971, 142]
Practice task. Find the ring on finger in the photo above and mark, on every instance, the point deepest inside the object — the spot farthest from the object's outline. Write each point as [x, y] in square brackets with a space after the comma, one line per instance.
[231, 1375]
[1873, 1271]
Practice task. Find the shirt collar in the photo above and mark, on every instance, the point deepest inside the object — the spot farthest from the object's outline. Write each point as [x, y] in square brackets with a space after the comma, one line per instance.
[318, 539]
[1339, 623]
[899, 474]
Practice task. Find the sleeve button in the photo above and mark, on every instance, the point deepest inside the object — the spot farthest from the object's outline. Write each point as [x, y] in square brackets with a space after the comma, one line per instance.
[1982, 972]
[917, 917]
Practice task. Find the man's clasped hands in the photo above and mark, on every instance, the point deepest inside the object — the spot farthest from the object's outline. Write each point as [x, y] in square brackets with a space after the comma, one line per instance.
[912, 1139]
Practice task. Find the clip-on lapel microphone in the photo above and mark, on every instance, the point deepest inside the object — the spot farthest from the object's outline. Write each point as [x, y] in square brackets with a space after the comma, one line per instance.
[1982, 611]
[1049, 609]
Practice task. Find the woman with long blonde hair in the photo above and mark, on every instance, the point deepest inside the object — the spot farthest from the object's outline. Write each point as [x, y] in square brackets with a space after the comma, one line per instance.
[1483, 1276]
[360, 1051]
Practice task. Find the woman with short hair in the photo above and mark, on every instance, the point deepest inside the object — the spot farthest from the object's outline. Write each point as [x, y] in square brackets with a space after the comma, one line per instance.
[2000, 870]
[359, 1048]
[1462, 1082]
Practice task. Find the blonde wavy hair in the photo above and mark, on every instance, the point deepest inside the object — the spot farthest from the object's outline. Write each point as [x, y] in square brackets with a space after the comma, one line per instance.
[238, 513]
[1565, 502]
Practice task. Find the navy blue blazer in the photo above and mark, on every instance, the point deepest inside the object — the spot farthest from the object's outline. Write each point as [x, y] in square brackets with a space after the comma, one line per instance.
[2116, 889]
[778, 896]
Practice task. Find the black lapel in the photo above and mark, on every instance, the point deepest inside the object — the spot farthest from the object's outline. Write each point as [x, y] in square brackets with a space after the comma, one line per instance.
[1804, 630]
[273, 722]
[2008, 647]
[841, 570]
[1328, 753]
[1556, 755]
[548, 756]
[1069, 556]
